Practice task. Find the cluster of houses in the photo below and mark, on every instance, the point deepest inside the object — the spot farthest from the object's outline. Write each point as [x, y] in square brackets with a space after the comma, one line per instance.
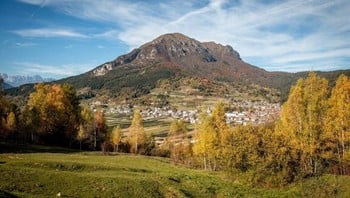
[190, 116]
[243, 113]
[253, 112]
[120, 110]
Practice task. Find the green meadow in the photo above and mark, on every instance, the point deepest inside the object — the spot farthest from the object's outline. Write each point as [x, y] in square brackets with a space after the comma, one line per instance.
[38, 171]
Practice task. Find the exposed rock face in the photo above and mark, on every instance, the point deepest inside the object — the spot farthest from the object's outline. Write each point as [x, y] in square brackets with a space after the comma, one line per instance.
[178, 48]
[103, 69]
[221, 51]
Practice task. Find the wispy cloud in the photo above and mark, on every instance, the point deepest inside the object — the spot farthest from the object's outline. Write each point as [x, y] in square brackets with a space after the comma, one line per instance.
[109, 34]
[25, 44]
[279, 35]
[57, 71]
[49, 32]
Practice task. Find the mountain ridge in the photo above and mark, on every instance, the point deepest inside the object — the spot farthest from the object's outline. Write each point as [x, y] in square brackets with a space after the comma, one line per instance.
[18, 80]
[181, 54]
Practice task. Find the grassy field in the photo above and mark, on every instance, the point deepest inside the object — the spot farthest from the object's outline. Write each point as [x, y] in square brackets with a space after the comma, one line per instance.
[152, 127]
[35, 171]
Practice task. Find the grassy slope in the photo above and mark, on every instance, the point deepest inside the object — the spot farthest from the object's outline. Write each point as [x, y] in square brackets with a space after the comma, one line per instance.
[44, 174]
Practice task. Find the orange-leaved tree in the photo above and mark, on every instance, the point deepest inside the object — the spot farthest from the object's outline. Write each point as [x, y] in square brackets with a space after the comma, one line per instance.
[55, 110]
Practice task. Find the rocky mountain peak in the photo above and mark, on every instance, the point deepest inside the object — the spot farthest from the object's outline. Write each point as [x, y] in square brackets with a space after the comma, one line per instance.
[177, 45]
[174, 49]
[172, 38]
[170, 47]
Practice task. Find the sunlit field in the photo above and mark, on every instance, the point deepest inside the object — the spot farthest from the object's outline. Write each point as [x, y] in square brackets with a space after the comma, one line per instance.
[37, 171]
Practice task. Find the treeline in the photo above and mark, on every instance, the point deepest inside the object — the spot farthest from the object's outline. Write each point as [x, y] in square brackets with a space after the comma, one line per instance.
[311, 138]
[53, 116]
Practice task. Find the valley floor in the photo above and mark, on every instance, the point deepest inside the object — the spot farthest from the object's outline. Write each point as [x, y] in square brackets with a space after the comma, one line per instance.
[36, 171]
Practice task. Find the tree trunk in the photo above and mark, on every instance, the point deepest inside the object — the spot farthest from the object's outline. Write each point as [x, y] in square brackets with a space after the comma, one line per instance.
[136, 145]
[95, 139]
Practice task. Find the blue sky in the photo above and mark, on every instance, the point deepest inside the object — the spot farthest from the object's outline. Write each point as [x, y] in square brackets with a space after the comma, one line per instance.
[60, 38]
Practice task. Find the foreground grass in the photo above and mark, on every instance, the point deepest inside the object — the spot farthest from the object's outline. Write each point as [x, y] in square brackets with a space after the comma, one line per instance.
[90, 174]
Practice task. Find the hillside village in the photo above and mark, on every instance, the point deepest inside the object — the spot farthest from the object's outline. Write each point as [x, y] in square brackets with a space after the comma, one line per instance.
[242, 113]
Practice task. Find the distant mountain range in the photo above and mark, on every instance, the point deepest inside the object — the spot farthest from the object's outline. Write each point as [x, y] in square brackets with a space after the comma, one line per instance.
[18, 80]
[175, 60]
[5, 86]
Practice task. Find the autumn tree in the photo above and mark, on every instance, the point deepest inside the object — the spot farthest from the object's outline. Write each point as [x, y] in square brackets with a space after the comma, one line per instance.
[136, 132]
[219, 119]
[116, 138]
[9, 126]
[72, 111]
[100, 130]
[178, 142]
[177, 127]
[57, 111]
[239, 149]
[337, 126]
[302, 118]
[11, 122]
[88, 124]
[5, 111]
[38, 105]
[222, 131]
[207, 143]
[30, 119]
[280, 162]
[81, 135]
[211, 138]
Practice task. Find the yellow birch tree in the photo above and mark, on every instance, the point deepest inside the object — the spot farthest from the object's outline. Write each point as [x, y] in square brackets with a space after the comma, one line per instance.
[337, 125]
[136, 132]
[116, 138]
[302, 119]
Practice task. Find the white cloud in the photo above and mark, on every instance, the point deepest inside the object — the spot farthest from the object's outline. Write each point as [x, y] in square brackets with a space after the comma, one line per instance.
[56, 71]
[49, 32]
[109, 34]
[25, 44]
[286, 35]
[34, 2]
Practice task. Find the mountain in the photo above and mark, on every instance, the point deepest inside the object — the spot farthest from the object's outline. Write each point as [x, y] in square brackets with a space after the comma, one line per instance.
[5, 86]
[174, 57]
[177, 52]
[18, 80]
[175, 62]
